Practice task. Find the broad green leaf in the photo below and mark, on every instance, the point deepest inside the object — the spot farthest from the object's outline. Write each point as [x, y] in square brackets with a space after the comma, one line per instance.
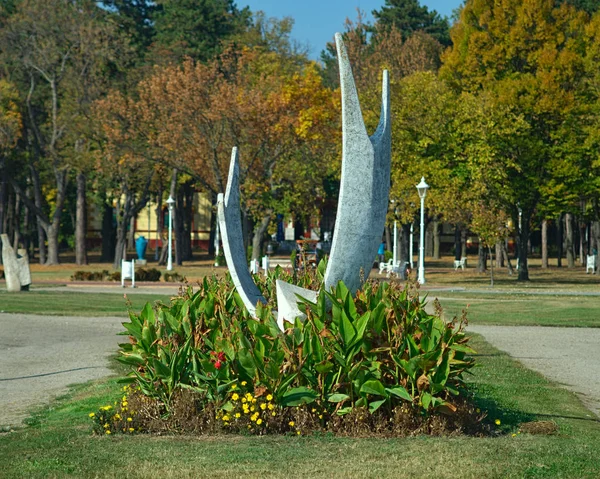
[400, 392]
[338, 397]
[375, 405]
[373, 386]
[298, 396]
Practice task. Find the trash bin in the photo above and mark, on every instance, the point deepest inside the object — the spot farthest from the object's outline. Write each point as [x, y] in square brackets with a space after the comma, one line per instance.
[140, 247]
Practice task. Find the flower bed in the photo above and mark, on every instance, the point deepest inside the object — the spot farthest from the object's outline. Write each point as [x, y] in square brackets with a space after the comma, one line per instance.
[375, 362]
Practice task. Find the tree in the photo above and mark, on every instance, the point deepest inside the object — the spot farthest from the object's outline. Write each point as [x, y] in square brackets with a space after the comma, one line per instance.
[195, 28]
[529, 56]
[10, 132]
[408, 16]
[59, 48]
[126, 163]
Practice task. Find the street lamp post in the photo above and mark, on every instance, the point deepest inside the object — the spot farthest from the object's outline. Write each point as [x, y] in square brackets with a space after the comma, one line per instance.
[170, 203]
[422, 189]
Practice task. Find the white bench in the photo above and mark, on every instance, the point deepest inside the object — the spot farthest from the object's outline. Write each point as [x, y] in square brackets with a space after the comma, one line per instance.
[398, 269]
[460, 263]
[128, 272]
[591, 264]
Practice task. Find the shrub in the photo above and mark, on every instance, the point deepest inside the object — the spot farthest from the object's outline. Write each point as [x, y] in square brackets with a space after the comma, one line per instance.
[174, 278]
[151, 274]
[376, 353]
[103, 275]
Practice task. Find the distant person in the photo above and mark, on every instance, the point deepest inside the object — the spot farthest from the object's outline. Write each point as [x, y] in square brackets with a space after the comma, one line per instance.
[381, 252]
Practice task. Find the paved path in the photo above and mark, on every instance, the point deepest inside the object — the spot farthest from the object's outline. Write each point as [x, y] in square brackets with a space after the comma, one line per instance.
[569, 356]
[41, 355]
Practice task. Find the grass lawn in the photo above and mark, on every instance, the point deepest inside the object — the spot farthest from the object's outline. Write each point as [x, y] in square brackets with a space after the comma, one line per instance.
[522, 309]
[59, 442]
[74, 303]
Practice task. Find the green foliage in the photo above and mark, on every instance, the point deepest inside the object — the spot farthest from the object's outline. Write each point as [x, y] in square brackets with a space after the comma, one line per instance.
[409, 16]
[378, 350]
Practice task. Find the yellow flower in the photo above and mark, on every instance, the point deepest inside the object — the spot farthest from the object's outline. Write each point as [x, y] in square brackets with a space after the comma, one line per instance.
[271, 407]
[107, 431]
[269, 397]
[478, 410]
[106, 425]
[131, 429]
[497, 421]
[244, 400]
[234, 387]
[246, 411]
[253, 400]
[252, 418]
[252, 408]
[237, 414]
[124, 398]
[273, 413]
[244, 383]
[291, 423]
[313, 410]
[129, 419]
[259, 422]
[225, 424]
[118, 417]
[235, 397]
[298, 432]
[514, 435]
[92, 414]
[124, 404]
[249, 396]
[263, 406]
[226, 417]
[320, 416]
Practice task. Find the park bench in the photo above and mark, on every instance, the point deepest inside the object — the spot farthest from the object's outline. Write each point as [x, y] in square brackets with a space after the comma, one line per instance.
[400, 270]
[460, 263]
[591, 263]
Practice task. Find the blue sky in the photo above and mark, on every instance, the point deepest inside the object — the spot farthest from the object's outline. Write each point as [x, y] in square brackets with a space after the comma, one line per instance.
[316, 21]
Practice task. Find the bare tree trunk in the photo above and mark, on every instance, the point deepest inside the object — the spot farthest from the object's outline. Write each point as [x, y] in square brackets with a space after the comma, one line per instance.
[108, 234]
[491, 266]
[560, 240]
[159, 224]
[569, 240]
[17, 222]
[523, 240]
[544, 244]
[81, 220]
[457, 243]
[509, 265]
[582, 243]
[388, 238]
[499, 255]
[463, 243]
[259, 233]
[436, 238]
[481, 258]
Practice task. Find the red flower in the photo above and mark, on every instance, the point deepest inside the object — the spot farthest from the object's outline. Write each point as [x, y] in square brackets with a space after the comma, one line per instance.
[221, 356]
[218, 364]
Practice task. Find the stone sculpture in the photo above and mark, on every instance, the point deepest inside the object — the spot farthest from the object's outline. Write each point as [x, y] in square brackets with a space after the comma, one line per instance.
[362, 205]
[230, 224]
[16, 267]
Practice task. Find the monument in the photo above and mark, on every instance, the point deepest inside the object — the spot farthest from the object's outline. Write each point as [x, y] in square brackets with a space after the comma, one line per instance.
[16, 267]
[362, 204]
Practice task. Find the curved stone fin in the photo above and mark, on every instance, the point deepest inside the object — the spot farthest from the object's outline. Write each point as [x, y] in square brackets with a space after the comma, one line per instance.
[230, 224]
[364, 185]
[287, 301]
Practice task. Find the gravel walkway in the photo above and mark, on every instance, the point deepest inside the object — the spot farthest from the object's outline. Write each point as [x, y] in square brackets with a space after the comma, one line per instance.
[41, 355]
[568, 356]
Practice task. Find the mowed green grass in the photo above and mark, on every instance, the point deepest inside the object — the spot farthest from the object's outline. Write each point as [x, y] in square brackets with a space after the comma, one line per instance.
[522, 309]
[59, 442]
[74, 303]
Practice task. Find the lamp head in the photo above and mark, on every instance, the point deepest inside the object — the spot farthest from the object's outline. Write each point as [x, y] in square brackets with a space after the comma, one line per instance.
[422, 188]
